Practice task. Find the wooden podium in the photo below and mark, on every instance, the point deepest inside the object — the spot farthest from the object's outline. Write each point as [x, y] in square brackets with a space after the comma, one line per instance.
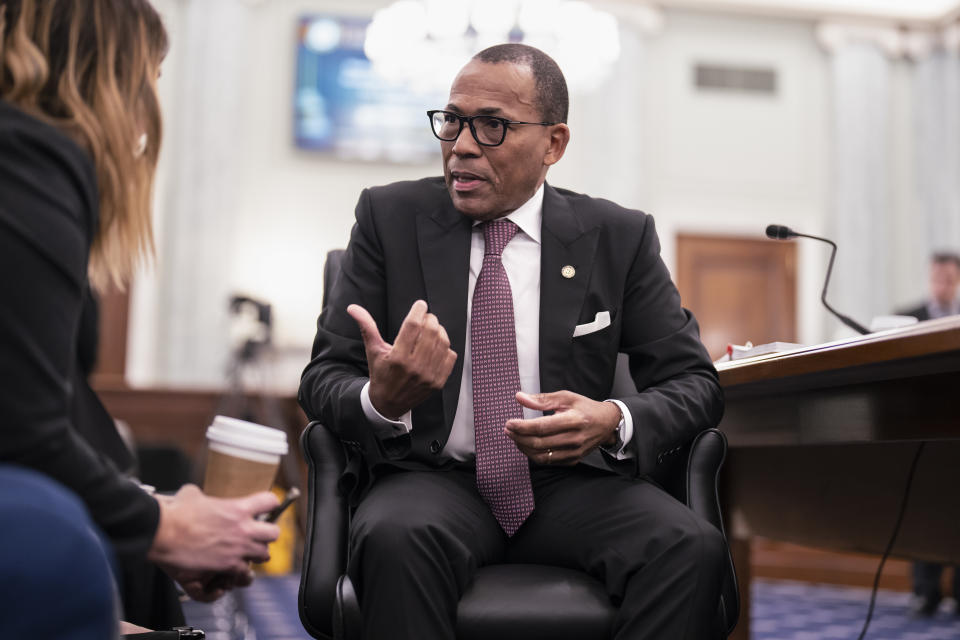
[822, 439]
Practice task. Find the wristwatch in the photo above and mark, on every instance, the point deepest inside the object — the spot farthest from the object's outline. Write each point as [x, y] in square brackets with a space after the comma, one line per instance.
[621, 427]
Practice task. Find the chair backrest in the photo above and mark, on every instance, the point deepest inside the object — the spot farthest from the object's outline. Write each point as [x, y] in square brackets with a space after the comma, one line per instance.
[325, 547]
[331, 271]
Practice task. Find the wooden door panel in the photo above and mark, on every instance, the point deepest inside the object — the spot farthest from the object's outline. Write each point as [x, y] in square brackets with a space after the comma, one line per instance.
[739, 289]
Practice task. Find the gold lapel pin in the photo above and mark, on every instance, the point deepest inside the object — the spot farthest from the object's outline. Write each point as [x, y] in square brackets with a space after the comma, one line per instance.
[568, 272]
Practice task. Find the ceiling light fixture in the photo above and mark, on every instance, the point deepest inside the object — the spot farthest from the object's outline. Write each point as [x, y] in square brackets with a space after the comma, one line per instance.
[423, 43]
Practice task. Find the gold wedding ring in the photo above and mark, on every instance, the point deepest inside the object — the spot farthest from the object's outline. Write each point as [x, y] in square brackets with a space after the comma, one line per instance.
[549, 456]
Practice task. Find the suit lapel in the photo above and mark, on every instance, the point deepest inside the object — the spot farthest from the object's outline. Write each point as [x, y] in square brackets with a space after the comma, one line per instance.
[444, 245]
[566, 242]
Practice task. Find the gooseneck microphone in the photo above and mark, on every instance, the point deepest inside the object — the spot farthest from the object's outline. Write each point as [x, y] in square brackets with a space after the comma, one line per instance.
[780, 232]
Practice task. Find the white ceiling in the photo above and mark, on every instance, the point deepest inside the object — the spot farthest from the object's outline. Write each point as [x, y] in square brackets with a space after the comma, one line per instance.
[927, 11]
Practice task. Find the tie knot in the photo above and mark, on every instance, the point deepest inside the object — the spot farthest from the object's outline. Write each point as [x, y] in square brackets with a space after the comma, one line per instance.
[496, 235]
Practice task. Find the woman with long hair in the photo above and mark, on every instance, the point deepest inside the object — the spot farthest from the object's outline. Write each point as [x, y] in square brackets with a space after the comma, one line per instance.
[80, 134]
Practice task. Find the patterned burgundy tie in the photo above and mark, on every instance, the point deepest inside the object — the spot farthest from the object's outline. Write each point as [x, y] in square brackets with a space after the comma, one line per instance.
[503, 475]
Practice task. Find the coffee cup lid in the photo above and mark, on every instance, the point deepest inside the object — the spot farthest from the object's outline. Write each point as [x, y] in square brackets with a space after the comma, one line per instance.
[247, 435]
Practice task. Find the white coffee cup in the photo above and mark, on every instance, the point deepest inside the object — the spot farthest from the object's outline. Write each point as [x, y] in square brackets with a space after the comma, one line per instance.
[242, 457]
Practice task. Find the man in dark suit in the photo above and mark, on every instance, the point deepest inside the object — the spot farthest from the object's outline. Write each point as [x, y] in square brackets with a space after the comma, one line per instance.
[943, 302]
[944, 283]
[466, 357]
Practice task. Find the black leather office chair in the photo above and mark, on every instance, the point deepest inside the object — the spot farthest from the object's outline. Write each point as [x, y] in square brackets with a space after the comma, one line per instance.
[506, 602]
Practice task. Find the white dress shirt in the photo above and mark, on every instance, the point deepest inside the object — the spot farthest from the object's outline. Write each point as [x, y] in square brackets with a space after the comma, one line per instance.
[521, 260]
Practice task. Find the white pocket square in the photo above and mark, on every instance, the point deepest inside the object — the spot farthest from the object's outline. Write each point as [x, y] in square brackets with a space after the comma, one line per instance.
[601, 321]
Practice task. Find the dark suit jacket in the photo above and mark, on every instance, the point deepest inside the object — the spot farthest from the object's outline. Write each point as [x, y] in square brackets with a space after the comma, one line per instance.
[921, 313]
[409, 242]
[48, 217]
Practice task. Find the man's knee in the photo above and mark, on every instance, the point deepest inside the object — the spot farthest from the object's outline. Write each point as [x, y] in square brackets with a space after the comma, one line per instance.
[393, 530]
[703, 547]
[395, 533]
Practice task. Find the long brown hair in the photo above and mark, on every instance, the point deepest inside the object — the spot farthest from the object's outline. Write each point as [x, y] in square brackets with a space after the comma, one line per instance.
[89, 67]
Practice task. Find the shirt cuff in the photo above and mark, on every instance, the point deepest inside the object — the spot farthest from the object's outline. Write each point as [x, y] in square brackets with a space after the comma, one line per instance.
[383, 428]
[620, 450]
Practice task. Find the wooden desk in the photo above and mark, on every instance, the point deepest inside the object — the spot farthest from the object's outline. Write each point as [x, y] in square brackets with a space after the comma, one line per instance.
[822, 438]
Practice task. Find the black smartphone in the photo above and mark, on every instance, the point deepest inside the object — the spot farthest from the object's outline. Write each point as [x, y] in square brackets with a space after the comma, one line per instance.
[271, 516]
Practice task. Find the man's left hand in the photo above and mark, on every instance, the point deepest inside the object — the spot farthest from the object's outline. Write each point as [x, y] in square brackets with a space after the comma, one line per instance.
[578, 426]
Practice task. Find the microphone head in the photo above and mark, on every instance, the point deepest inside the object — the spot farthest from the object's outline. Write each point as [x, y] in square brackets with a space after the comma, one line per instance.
[779, 232]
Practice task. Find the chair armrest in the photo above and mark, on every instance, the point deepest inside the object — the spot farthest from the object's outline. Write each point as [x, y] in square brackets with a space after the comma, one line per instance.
[325, 546]
[347, 624]
[707, 453]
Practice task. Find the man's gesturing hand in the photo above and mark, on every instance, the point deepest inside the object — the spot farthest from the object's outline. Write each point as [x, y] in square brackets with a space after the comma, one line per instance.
[419, 362]
[577, 426]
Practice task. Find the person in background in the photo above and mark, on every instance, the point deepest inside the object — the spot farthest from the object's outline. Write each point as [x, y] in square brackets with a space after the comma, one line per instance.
[943, 302]
[80, 130]
[944, 284]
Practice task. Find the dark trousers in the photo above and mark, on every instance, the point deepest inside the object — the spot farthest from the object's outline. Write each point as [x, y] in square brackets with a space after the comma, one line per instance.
[418, 537]
[926, 581]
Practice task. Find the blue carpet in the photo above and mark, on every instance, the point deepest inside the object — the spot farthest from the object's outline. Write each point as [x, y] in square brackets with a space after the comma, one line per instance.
[782, 610]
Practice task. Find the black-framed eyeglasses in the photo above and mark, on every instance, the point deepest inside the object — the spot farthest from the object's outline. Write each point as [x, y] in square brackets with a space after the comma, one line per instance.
[489, 131]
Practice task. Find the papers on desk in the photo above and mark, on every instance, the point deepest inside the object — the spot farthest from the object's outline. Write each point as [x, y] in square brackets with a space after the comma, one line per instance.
[741, 351]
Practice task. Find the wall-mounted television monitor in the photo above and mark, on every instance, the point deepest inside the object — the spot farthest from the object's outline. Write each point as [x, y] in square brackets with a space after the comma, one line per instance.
[343, 107]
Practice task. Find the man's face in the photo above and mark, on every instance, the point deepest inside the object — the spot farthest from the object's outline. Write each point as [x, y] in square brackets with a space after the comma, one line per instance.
[489, 182]
[944, 280]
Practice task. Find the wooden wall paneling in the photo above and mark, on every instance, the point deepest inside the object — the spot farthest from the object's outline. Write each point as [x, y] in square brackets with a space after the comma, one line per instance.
[785, 561]
[112, 348]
